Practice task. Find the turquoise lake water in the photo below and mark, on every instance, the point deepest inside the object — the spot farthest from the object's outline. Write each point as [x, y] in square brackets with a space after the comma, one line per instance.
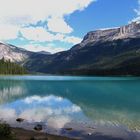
[58, 100]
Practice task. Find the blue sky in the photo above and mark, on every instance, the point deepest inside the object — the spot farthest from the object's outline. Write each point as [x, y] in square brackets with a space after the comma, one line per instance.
[103, 14]
[57, 25]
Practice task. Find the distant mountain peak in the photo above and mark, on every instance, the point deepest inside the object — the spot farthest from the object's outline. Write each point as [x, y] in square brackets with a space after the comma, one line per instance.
[43, 52]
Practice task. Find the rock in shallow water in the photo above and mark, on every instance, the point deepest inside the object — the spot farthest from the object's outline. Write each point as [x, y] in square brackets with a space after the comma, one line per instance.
[19, 120]
[68, 129]
[38, 127]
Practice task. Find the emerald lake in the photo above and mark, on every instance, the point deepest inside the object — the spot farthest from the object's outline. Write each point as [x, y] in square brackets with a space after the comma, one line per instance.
[59, 100]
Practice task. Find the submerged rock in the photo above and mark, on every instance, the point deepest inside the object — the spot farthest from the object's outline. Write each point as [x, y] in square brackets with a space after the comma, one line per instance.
[68, 129]
[19, 120]
[38, 127]
[89, 134]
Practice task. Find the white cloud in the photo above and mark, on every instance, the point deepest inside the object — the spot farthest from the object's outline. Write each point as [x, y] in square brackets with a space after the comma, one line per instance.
[137, 11]
[59, 37]
[72, 39]
[33, 11]
[38, 47]
[59, 25]
[29, 11]
[37, 34]
[42, 35]
[18, 15]
[8, 32]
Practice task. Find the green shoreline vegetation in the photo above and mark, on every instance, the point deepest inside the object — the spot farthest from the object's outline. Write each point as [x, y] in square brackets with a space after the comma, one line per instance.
[10, 68]
[5, 132]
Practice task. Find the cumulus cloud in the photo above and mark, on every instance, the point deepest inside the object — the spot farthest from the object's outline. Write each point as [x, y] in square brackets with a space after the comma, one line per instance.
[73, 39]
[30, 11]
[21, 16]
[42, 35]
[37, 48]
[8, 32]
[36, 34]
[137, 11]
[59, 25]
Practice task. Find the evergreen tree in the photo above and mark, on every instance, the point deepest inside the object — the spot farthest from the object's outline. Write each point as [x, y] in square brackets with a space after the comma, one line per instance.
[7, 67]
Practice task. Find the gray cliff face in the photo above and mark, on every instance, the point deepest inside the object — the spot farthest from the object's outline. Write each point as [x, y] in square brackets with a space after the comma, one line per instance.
[12, 53]
[129, 31]
[17, 55]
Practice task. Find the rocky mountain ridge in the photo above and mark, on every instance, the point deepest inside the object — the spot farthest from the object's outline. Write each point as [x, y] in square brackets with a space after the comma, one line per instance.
[103, 35]
[113, 51]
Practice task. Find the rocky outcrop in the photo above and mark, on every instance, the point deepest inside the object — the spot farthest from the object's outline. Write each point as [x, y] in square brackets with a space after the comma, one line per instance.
[16, 54]
[12, 53]
[103, 35]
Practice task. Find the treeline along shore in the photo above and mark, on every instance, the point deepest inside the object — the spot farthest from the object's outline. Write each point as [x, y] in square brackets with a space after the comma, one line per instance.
[9, 68]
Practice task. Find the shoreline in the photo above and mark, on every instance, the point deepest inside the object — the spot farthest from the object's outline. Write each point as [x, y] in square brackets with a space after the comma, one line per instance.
[23, 134]
[73, 131]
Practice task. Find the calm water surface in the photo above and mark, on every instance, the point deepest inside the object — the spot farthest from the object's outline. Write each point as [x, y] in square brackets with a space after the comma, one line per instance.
[59, 100]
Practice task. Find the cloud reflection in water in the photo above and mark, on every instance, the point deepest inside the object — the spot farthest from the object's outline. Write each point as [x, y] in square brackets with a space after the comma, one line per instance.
[53, 110]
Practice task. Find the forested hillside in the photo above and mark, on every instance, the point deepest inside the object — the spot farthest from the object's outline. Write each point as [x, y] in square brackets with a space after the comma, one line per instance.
[7, 67]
